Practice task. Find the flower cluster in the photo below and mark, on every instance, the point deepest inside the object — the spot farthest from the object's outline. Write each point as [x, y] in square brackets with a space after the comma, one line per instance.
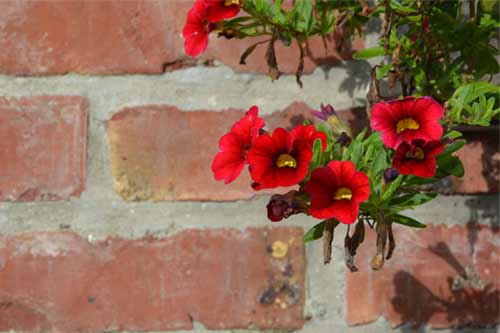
[283, 158]
[202, 19]
[411, 127]
[340, 178]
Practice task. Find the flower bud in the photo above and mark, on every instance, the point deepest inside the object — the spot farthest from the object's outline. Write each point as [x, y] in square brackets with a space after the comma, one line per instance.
[324, 112]
[390, 174]
[343, 139]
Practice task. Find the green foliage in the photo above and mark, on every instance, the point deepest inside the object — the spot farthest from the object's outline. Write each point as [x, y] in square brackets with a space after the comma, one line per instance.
[407, 221]
[369, 53]
[316, 232]
[475, 104]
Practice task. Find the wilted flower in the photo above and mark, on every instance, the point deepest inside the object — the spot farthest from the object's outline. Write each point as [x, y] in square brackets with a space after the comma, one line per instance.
[283, 206]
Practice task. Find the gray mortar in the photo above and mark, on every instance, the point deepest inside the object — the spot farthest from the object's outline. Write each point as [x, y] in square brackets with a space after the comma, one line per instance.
[100, 212]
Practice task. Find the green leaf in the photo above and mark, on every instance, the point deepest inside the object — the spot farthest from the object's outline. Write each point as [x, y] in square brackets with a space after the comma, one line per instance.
[408, 221]
[409, 201]
[452, 135]
[381, 72]
[450, 165]
[303, 16]
[317, 231]
[389, 192]
[379, 164]
[369, 53]
[453, 147]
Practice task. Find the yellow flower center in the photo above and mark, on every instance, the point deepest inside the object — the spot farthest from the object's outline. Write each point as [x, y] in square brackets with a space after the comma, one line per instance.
[406, 123]
[285, 160]
[343, 193]
[231, 2]
[418, 154]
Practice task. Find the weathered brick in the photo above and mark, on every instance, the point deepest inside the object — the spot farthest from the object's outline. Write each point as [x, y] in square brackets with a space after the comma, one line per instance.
[42, 147]
[481, 159]
[221, 278]
[162, 153]
[421, 284]
[125, 37]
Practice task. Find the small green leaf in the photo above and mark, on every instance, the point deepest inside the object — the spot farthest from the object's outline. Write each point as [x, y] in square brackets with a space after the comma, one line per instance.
[450, 165]
[379, 163]
[389, 192]
[452, 135]
[409, 201]
[369, 53]
[453, 147]
[408, 221]
[316, 232]
[382, 71]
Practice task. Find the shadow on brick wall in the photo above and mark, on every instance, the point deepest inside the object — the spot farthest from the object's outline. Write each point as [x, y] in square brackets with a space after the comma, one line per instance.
[466, 302]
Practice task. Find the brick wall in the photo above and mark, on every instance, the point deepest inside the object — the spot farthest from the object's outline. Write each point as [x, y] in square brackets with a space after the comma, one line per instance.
[110, 219]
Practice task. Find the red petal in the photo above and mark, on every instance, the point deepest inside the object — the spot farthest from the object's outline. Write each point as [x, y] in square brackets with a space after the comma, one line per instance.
[227, 166]
[231, 142]
[348, 170]
[383, 120]
[217, 11]
[433, 148]
[428, 109]
[360, 187]
[346, 211]
[248, 127]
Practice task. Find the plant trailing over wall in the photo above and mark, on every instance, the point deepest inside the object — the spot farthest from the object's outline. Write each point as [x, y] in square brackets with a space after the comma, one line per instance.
[441, 60]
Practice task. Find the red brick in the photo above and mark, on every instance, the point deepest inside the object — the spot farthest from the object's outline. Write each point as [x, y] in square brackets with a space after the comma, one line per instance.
[162, 153]
[57, 281]
[415, 286]
[42, 147]
[123, 37]
[481, 159]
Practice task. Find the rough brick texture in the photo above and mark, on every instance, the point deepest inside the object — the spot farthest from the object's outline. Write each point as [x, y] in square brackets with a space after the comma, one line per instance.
[162, 153]
[222, 278]
[89, 36]
[421, 284]
[42, 147]
[481, 159]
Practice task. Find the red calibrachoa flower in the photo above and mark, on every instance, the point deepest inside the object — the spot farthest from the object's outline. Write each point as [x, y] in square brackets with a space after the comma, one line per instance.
[337, 190]
[219, 10]
[231, 159]
[197, 29]
[407, 119]
[417, 159]
[280, 159]
[202, 19]
[309, 134]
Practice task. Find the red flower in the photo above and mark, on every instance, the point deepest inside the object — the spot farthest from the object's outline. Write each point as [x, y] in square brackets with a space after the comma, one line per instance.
[231, 159]
[417, 159]
[197, 29]
[407, 119]
[337, 190]
[309, 134]
[219, 10]
[279, 160]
